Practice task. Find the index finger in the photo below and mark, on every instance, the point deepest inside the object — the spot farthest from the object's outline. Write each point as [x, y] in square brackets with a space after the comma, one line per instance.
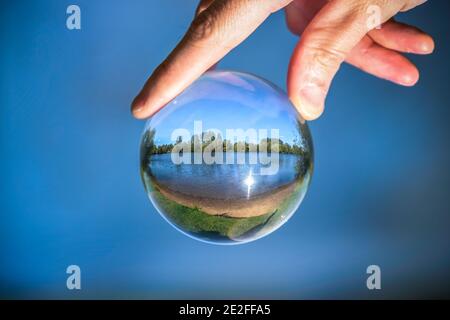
[213, 33]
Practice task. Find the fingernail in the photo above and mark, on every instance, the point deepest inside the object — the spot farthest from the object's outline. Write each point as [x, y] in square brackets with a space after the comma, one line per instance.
[310, 102]
[427, 46]
[409, 79]
[137, 111]
[136, 108]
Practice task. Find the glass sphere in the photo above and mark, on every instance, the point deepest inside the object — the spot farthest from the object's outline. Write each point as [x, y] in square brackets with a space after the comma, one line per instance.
[229, 160]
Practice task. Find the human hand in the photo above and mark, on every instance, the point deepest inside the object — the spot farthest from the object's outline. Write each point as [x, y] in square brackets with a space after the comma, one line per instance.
[333, 31]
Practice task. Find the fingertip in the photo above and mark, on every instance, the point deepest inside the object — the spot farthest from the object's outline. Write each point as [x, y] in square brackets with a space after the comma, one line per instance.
[427, 45]
[423, 44]
[136, 106]
[409, 81]
[140, 109]
[138, 114]
[143, 113]
[410, 78]
[308, 111]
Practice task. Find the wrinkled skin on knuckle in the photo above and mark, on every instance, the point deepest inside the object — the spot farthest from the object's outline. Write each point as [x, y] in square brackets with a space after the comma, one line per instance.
[350, 19]
[211, 25]
[202, 27]
[225, 23]
[327, 57]
[324, 47]
[324, 62]
[330, 42]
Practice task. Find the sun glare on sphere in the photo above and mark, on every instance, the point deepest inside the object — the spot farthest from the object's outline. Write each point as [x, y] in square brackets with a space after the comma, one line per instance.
[249, 181]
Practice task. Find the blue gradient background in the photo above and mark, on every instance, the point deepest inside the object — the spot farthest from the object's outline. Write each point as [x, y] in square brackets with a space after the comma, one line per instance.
[71, 191]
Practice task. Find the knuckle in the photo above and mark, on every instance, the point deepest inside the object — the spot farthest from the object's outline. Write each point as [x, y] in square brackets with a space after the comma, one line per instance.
[326, 57]
[214, 25]
[202, 27]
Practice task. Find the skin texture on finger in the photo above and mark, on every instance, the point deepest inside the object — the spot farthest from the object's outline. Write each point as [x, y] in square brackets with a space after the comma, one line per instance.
[402, 37]
[327, 42]
[383, 63]
[213, 33]
[202, 6]
[411, 4]
[392, 35]
[299, 13]
[367, 55]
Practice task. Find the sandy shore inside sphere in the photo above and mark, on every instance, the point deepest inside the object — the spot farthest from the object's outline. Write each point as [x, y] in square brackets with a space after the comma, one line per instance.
[236, 208]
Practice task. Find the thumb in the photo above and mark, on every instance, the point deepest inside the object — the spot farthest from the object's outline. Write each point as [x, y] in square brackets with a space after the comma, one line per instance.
[326, 42]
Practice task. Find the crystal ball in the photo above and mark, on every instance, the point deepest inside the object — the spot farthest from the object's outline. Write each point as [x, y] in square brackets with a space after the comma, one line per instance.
[229, 160]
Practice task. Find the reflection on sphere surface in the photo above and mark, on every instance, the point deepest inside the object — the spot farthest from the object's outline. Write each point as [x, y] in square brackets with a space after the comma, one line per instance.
[227, 161]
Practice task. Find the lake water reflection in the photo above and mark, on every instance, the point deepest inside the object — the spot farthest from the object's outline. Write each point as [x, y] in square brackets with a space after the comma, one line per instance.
[223, 181]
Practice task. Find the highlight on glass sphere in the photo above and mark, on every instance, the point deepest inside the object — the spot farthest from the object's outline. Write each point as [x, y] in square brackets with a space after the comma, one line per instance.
[229, 160]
